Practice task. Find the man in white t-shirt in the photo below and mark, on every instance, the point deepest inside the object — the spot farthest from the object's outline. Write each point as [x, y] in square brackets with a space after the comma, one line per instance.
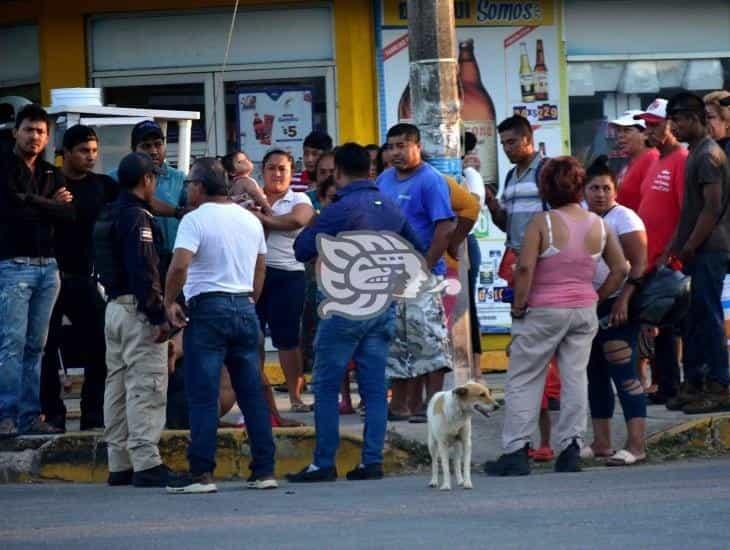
[219, 265]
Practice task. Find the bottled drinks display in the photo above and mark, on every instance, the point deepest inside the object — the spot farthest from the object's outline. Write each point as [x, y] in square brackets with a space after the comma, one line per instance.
[527, 82]
[540, 74]
[477, 111]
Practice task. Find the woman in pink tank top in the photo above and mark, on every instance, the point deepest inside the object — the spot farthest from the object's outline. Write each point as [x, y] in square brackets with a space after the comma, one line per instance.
[554, 314]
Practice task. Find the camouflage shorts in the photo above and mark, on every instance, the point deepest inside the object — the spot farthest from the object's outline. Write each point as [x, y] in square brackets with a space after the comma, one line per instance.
[421, 343]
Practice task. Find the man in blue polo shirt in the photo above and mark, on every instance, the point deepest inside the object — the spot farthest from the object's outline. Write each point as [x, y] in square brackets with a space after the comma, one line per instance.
[357, 205]
[170, 197]
[420, 352]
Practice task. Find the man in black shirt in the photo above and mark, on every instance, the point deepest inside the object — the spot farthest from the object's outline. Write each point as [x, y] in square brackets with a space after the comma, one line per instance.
[32, 198]
[79, 299]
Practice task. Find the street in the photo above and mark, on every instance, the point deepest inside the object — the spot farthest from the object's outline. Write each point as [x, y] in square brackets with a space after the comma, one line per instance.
[664, 506]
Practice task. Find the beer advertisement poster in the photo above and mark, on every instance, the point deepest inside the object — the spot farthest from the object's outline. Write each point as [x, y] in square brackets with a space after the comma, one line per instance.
[508, 63]
[274, 118]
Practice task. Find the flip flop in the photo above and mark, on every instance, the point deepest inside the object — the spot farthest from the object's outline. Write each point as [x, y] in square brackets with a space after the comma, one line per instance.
[588, 453]
[624, 458]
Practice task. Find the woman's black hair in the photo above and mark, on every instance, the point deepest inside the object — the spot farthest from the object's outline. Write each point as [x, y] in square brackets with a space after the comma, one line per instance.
[599, 168]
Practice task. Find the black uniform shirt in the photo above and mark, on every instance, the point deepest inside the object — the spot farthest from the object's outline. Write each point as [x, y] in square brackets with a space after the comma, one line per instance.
[138, 242]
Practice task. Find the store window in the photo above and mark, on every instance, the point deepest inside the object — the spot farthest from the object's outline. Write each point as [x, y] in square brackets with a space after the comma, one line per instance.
[601, 90]
[175, 97]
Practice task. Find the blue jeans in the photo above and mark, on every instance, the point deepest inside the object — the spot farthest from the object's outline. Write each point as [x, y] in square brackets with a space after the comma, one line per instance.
[367, 343]
[27, 295]
[705, 342]
[225, 329]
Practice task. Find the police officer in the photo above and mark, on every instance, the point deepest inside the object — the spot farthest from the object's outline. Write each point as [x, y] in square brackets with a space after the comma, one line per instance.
[136, 334]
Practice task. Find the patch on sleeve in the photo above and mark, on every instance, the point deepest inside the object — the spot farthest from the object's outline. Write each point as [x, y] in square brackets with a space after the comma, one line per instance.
[145, 234]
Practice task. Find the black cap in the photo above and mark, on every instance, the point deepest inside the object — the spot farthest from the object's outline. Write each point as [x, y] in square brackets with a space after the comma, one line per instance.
[78, 134]
[133, 167]
[725, 101]
[317, 139]
[145, 129]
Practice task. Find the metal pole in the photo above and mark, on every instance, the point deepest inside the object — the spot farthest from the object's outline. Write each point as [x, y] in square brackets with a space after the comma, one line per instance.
[435, 105]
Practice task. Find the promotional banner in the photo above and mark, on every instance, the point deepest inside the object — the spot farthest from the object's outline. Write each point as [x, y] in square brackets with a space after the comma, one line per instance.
[508, 56]
[274, 118]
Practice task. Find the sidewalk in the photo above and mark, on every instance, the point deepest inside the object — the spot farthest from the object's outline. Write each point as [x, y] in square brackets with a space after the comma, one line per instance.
[81, 456]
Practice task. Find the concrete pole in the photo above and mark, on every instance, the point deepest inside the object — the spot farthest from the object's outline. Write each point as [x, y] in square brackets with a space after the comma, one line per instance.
[435, 106]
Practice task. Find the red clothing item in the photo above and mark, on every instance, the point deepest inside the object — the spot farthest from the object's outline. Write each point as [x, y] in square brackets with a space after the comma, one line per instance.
[662, 195]
[300, 182]
[630, 179]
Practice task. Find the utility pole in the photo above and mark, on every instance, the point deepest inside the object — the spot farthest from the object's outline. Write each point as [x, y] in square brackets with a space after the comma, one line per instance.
[435, 105]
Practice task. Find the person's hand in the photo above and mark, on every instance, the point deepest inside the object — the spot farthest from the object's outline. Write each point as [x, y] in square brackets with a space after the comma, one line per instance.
[649, 332]
[619, 312]
[453, 250]
[686, 255]
[162, 333]
[63, 195]
[176, 316]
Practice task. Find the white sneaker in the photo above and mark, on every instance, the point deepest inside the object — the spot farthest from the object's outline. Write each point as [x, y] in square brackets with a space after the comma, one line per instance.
[192, 485]
[267, 482]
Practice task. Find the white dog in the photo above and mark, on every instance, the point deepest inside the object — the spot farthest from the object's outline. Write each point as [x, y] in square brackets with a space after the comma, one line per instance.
[449, 429]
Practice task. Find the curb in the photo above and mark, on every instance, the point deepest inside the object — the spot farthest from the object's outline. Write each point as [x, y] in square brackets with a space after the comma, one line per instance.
[708, 435]
[81, 457]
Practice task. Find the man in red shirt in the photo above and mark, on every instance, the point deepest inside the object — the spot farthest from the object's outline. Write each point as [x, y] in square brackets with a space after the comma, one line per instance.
[315, 145]
[632, 143]
[662, 193]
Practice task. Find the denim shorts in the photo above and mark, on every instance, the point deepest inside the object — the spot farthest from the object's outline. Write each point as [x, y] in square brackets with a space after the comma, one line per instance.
[280, 306]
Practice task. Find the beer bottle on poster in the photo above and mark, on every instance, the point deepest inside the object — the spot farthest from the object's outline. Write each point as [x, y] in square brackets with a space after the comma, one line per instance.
[540, 74]
[477, 112]
[527, 82]
[404, 106]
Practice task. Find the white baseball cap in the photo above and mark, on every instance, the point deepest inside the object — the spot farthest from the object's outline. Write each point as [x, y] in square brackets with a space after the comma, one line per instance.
[627, 119]
[656, 112]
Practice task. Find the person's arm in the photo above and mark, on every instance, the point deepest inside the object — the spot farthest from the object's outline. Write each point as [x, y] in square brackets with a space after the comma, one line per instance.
[330, 221]
[296, 219]
[259, 275]
[440, 242]
[706, 222]
[177, 274]
[634, 247]
[466, 208]
[616, 262]
[142, 261]
[499, 214]
[59, 206]
[526, 264]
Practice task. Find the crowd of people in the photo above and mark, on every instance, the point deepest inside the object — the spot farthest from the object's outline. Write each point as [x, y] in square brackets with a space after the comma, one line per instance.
[172, 277]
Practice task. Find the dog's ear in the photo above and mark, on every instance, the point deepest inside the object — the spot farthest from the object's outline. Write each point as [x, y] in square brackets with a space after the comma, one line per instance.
[461, 391]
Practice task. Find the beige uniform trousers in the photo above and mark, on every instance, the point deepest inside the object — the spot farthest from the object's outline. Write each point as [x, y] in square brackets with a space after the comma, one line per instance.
[136, 388]
[543, 333]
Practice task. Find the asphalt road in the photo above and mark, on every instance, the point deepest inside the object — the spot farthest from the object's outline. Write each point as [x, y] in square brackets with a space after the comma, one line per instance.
[676, 505]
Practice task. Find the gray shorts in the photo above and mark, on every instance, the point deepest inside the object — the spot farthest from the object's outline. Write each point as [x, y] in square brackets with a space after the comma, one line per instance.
[421, 343]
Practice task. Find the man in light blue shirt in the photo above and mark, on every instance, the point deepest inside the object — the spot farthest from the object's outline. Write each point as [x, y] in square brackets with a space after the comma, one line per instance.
[170, 196]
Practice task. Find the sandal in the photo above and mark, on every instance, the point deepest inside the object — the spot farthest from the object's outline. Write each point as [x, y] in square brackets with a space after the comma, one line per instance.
[588, 453]
[301, 408]
[543, 454]
[624, 458]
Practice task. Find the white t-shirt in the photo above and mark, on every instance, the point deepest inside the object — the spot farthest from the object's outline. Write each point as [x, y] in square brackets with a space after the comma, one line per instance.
[225, 240]
[281, 243]
[475, 184]
[620, 220]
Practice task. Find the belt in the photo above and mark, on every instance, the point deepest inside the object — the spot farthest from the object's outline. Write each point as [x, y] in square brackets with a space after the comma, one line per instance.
[28, 260]
[203, 295]
[125, 300]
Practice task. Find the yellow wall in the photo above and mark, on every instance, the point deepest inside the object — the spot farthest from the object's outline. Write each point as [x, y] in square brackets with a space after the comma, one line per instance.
[63, 61]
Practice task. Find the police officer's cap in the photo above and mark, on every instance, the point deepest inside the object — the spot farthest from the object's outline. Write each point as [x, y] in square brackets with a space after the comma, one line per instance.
[133, 167]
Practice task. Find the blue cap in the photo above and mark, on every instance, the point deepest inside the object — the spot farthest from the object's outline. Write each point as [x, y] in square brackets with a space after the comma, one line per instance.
[145, 129]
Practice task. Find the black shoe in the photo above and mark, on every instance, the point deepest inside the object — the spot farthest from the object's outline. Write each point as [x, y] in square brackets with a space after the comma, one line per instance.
[306, 476]
[656, 398]
[510, 464]
[117, 479]
[369, 471]
[57, 421]
[192, 484]
[91, 422]
[569, 459]
[159, 476]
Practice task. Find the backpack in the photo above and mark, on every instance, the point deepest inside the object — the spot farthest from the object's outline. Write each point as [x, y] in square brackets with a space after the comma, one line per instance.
[107, 258]
[543, 161]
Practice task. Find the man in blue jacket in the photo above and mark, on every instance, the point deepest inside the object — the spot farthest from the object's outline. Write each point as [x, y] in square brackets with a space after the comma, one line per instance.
[357, 205]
